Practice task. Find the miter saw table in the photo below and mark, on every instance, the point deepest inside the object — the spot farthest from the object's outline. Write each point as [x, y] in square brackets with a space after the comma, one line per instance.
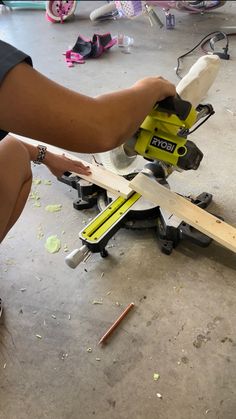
[162, 140]
[131, 213]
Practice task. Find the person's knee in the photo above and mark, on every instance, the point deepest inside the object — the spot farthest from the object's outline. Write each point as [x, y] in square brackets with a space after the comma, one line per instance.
[15, 182]
[14, 156]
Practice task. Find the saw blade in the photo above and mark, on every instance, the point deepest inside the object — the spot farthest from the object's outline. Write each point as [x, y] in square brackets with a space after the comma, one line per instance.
[119, 162]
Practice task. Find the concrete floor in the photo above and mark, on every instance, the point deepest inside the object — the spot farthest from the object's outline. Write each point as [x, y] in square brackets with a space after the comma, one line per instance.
[183, 324]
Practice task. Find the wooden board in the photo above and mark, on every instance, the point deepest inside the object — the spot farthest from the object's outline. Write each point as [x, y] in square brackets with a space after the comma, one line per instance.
[218, 230]
[99, 176]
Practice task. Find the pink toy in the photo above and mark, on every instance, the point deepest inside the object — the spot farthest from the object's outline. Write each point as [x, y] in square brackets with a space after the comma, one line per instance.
[59, 11]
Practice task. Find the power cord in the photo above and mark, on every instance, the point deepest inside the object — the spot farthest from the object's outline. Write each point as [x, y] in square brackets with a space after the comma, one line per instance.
[201, 123]
[210, 39]
[218, 37]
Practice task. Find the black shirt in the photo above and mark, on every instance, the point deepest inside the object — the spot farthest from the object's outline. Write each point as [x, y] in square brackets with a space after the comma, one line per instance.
[9, 58]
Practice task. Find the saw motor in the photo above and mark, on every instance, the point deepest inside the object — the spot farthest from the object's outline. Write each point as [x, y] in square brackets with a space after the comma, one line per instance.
[163, 135]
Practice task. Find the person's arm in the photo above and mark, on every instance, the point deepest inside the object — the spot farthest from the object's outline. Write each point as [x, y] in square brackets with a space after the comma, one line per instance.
[57, 164]
[34, 106]
[124, 111]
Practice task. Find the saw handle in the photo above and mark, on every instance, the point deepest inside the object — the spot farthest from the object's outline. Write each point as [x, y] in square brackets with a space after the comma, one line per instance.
[77, 256]
[175, 105]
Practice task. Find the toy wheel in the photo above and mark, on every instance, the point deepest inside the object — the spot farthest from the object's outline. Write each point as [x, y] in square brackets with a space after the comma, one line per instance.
[50, 19]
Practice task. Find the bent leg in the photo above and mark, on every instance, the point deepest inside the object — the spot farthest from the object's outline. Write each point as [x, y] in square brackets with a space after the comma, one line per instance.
[15, 182]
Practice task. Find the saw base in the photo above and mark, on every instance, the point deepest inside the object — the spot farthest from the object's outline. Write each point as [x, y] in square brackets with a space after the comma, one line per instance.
[169, 229]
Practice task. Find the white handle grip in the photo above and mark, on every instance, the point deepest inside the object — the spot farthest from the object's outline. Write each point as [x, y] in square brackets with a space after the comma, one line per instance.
[77, 256]
[194, 86]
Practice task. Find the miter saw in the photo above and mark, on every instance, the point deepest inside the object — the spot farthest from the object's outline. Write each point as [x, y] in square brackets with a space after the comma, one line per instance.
[162, 140]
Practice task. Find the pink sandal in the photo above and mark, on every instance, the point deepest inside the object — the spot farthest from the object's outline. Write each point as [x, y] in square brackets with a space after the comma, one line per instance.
[86, 48]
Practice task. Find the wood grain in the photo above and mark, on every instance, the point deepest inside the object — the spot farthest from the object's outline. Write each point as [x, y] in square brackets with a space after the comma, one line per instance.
[218, 230]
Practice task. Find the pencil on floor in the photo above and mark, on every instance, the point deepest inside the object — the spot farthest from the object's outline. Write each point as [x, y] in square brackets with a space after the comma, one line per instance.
[116, 323]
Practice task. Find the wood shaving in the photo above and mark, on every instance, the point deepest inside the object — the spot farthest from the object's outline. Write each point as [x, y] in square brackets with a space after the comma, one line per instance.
[53, 207]
[53, 244]
[47, 182]
[36, 181]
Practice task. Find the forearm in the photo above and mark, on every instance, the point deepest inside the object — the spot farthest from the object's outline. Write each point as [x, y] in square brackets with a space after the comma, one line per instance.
[34, 151]
[33, 106]
[125, 111]
[56, 162]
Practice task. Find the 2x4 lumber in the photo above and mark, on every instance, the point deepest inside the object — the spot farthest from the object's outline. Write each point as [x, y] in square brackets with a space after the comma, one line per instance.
[203, 221]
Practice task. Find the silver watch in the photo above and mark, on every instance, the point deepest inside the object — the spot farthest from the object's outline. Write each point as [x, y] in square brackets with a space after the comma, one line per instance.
[42, 149]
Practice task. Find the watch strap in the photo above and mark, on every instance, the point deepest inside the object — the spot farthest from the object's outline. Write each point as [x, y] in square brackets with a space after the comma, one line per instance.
[41, 154]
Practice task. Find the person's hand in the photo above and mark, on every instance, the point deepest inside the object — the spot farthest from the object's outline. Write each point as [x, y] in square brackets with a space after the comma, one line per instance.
[59, 164]
[162, 87]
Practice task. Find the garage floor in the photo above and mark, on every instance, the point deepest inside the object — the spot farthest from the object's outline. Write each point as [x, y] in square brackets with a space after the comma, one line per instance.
[183, 324]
